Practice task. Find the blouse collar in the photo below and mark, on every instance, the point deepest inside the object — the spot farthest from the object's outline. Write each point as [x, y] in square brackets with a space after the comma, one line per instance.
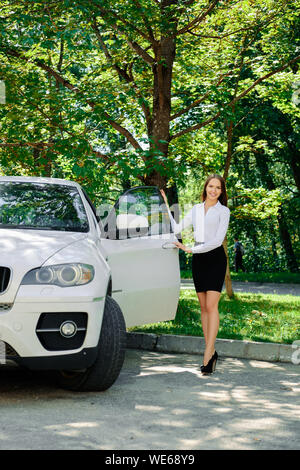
[218, 205]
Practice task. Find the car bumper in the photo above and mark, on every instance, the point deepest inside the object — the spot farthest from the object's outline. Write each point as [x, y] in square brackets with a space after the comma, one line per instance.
[19, 325]
[79, 360]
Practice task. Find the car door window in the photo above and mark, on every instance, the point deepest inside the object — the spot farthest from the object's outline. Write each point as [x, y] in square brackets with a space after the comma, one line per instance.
[139, 212]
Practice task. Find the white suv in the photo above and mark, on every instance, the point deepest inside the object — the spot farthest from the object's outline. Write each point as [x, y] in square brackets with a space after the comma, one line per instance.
[68, 280]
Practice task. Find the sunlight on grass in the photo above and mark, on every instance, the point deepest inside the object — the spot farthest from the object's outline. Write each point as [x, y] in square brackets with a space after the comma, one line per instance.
[252, 317]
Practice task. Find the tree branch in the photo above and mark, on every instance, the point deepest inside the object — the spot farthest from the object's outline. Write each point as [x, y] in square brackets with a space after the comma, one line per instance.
[43, 145]
[265, 77]
[245, 116]
[123, 74]
[223, 36]
[147, 24]
[187, 3]
[199, 100]
[235, 99]
[196, 126]
[198, 19]
[133, 44]
[26, 144]
[107, 13]
[222, 77]
[60, 79]
[61, 55]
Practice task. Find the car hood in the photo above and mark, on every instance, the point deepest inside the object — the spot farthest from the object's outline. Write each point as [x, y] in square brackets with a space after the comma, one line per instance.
[23, 250]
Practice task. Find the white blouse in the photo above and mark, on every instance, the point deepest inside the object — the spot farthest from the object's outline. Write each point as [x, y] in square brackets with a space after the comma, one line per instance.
[209, 229]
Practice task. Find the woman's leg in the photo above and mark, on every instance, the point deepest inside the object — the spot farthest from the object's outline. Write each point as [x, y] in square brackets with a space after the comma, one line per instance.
[212, 302]
[204, 314]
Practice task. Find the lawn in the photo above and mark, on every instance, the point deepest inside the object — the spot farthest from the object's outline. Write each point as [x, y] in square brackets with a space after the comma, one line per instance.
[251, 317]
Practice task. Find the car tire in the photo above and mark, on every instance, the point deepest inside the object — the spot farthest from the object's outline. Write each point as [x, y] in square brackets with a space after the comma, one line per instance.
[110, 357]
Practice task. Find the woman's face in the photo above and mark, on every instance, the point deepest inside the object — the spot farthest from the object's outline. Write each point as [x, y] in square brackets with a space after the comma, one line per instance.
[213, 190]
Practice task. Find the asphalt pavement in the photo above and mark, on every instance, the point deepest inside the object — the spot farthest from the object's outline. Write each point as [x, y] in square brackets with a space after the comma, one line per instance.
[159, 402]
[255, 287]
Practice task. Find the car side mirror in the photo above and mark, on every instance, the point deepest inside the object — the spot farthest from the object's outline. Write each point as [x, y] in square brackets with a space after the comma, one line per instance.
[131, 221]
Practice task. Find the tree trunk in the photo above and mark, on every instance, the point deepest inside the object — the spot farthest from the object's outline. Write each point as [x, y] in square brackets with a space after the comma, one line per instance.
[295, 162]
[290, 138]
[228, 282]
[159, 139]
[283, 229]
[274, 250]
[36, 156]
[286, 242]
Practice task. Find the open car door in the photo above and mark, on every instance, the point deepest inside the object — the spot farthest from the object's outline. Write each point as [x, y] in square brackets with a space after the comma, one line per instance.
[137, 237]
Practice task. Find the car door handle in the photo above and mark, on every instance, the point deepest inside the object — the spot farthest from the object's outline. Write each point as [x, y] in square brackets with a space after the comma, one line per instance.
[168, 246]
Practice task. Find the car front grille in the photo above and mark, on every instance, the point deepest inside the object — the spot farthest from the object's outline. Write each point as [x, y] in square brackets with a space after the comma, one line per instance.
[4, 278]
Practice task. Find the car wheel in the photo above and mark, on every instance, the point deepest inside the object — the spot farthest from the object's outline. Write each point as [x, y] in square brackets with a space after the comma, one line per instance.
[110, 357]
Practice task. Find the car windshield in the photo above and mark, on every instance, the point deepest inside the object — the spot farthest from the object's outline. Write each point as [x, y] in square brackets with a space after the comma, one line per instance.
[41, 206]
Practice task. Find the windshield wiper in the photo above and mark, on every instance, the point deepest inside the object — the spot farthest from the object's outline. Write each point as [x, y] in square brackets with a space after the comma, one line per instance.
[29, 227]
[53, 227]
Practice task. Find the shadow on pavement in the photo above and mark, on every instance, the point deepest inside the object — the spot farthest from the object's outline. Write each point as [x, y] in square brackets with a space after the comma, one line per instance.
[160, 401]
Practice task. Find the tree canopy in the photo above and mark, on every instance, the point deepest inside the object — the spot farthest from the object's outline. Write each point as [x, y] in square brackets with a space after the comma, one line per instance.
[153, 91]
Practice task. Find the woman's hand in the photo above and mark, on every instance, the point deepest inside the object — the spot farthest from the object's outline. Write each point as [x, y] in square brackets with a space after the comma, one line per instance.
[164, 196]
[182, 247]
[178, 244]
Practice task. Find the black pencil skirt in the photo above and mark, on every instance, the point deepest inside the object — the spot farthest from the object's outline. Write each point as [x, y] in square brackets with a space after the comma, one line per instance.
[209, 270]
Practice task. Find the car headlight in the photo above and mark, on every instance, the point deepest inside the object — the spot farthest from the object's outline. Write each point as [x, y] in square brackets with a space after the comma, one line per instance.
[63, 275]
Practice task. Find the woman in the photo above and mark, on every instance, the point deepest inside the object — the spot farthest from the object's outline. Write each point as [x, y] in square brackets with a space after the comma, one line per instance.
[210, 221]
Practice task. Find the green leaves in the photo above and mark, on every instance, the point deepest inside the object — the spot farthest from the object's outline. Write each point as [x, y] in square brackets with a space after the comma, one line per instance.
[256, 203]
[106, 90]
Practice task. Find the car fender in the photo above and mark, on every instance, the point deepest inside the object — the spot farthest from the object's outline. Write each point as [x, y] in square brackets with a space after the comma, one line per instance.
[86, 252]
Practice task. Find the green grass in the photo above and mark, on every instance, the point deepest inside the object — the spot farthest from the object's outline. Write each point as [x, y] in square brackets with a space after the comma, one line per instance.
[251, 317]
[278, 277]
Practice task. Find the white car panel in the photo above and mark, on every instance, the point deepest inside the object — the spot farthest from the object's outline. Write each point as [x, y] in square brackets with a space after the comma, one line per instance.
[144, 276]
[23, 250]
[18, 326]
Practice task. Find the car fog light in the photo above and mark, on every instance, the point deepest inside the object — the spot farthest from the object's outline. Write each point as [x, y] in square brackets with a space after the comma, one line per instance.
[68, 329]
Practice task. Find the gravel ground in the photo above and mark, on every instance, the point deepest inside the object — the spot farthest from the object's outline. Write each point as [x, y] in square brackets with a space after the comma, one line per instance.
[160, 401]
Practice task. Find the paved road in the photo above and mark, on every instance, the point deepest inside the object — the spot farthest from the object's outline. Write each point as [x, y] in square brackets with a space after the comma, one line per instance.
[160, 401]
[255, 287]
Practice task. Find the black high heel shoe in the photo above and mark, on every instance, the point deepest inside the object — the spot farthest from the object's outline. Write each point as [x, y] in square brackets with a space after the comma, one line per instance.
[211, 365]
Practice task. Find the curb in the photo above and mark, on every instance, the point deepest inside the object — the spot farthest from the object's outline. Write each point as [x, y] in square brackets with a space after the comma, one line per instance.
[271, 352]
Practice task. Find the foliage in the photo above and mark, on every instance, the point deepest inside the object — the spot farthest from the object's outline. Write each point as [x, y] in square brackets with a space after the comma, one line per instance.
[114, 94]
[83, 75]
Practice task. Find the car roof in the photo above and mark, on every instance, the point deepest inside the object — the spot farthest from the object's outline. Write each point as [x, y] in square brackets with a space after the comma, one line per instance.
[38, 179]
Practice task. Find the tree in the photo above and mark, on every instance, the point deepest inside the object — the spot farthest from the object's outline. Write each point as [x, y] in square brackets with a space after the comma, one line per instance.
[122, 90]
[138, 69]
[272, 141]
